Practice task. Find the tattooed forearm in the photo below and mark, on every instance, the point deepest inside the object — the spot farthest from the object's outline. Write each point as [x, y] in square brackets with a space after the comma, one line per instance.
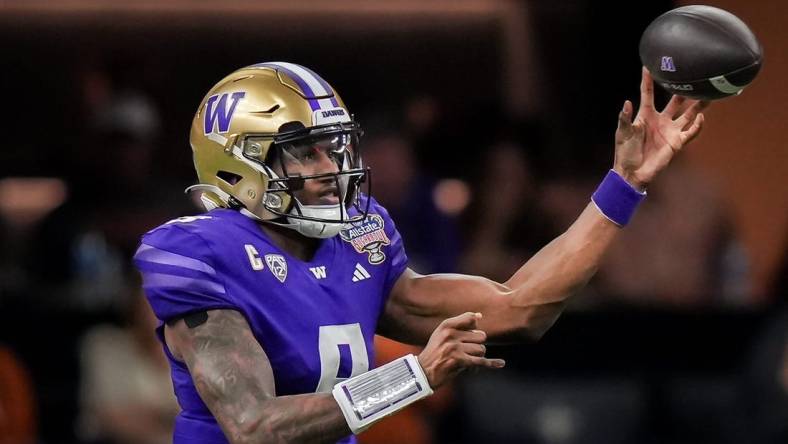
[312, 418]
[235, 380]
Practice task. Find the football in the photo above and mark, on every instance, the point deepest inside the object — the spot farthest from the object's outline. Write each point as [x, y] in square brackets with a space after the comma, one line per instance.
[701, 52]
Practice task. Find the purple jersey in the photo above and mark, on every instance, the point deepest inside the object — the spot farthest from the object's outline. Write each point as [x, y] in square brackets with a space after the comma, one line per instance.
[315, 320]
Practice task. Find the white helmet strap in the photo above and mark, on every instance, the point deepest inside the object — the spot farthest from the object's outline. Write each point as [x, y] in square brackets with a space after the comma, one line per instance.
[315, 229]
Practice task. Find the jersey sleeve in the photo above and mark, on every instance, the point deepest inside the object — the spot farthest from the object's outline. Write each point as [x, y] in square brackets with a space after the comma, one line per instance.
[395, 251]
[178, 273]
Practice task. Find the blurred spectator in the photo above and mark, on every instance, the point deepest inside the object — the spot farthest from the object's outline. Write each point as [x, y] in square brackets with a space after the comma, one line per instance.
[126, 392]
[422, 115]
[67, 263]
[423, 123]
[680, 249]
[17, 403]
[114, 196]
[509, 408]
[428, 228]
[508, 225]
[24, 202]
[68, 237]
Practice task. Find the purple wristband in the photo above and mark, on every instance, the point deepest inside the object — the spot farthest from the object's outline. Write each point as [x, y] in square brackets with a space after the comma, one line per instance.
[616, 199]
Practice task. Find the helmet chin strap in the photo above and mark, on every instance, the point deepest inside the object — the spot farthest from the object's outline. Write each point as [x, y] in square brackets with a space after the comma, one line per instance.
[308, 228]
[314, 229]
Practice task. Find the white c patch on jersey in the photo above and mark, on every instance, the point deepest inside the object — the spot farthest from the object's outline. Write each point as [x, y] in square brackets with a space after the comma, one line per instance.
[254, 257]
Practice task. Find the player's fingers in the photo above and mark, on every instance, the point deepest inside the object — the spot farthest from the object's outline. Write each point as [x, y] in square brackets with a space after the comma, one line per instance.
[675, 106]
[697, 109]
[478, 361]
[639, 130]
[693, 130]
[474, 349]
[689, 115]
[472, 336]
[665, 154]
[646, 90]
[465, 321]
[625, 121]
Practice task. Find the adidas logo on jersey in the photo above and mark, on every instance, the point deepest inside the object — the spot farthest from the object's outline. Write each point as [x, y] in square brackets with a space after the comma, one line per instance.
[319, 272]
[360, 273]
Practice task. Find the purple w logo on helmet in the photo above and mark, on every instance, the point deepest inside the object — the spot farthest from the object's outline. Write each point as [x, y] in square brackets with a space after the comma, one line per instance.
[216, 111]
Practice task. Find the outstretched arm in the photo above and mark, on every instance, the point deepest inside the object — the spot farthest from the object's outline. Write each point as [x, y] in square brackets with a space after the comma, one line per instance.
[527, 304]
[235, 380]
[523, 307]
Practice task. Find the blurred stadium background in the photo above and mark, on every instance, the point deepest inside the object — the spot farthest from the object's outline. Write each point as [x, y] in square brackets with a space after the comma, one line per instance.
[494, 120]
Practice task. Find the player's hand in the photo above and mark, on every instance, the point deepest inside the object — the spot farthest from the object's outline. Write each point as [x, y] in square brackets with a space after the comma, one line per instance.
[454, 346]
[646, 146]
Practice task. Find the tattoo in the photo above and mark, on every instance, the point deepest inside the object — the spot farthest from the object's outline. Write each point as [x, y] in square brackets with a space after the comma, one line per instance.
[312, 418]
[235, 380]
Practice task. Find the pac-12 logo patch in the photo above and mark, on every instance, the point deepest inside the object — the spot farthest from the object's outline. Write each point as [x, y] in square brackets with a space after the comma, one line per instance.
[368, 237]
[277, 265]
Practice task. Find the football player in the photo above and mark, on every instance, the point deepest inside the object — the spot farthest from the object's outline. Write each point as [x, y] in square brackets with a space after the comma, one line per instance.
[269, 301]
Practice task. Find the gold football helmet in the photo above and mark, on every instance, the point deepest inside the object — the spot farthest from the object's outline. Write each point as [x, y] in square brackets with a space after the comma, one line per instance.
[262, 118]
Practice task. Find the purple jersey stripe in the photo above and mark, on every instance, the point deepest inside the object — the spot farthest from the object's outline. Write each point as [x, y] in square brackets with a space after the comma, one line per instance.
[301, 83]
[152, 267]
[182, 283]
[154, 255]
